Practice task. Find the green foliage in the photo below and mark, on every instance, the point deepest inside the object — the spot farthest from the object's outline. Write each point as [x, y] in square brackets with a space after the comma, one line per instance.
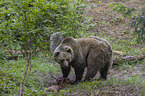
[139, 25]
[135, 80]
[2, 56]
[28, 24]
[127, 12]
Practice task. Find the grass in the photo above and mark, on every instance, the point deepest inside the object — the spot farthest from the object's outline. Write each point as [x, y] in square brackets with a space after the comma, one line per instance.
[12, 71]
[129, 76]
[112, 86]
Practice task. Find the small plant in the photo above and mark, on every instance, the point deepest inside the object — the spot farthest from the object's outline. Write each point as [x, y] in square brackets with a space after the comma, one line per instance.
[127, 12]
[138, 23]
[139, 26]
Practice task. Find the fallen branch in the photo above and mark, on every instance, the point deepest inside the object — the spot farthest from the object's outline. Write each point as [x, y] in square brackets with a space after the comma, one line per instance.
[53, 76]
[121, 59]
[12, 52]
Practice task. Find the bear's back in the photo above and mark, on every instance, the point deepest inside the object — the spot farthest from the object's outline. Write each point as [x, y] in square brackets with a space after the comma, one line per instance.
[92, 41]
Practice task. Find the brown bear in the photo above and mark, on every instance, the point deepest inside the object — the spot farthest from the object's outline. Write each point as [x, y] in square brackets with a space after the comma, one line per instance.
[92, 52]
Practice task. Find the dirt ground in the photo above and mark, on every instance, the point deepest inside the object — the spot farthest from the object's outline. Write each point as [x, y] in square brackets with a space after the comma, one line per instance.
[105, 14]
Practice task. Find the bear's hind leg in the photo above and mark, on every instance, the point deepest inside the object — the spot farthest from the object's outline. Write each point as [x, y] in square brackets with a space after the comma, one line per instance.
[91, 72]
[104, 72]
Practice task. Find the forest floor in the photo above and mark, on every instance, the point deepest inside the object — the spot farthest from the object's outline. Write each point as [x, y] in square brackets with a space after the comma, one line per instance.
[128, 78]
[125, 79]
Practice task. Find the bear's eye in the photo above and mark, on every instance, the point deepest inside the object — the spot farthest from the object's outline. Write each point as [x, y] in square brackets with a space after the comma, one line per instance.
[68, 50]
[57, 53]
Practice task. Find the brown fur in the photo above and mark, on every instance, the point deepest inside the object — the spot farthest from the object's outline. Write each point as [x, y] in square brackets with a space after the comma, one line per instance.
[92, 52]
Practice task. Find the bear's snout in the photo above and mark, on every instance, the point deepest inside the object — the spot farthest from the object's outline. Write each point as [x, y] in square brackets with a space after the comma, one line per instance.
[66, 64]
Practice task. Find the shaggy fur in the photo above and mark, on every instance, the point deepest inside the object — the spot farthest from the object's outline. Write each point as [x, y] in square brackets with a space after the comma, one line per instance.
[91, 52]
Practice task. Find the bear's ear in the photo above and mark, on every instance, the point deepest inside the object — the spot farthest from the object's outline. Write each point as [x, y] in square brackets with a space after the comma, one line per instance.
[56, 54]
[68, 50]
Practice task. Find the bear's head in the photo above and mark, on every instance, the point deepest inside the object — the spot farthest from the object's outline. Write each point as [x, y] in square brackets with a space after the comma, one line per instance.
[63, 55]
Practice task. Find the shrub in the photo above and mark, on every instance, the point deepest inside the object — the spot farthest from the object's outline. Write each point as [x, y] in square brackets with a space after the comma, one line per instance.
[139, 25]
[30, 22]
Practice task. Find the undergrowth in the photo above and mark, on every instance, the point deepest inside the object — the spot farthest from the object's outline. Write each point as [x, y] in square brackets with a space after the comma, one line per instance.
[39, 76]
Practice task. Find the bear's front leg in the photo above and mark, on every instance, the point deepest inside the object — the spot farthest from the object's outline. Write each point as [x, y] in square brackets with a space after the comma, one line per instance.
[65, 71]
[79, 74]
[61, 80]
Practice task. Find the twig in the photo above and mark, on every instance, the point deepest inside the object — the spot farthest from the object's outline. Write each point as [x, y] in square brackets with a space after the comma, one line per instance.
[23, 78]
[53, 76]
